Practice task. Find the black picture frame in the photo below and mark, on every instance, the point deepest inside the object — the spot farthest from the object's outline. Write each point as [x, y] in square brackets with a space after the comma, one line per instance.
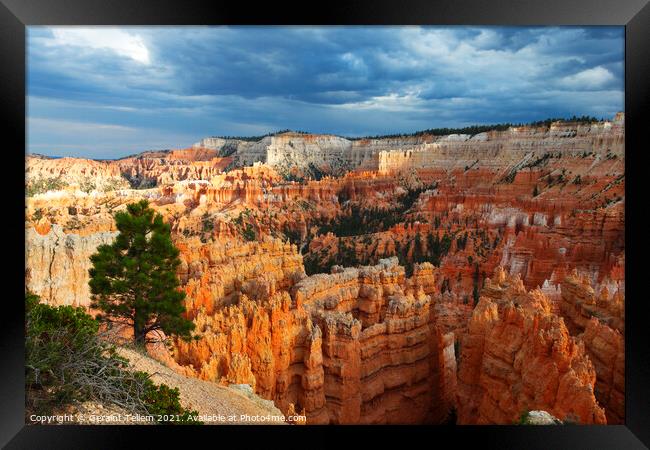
[15, 15]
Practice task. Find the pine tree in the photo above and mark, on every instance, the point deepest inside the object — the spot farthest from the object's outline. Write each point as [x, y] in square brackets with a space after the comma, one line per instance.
[417, 249]
[133, 280]
[475, 290]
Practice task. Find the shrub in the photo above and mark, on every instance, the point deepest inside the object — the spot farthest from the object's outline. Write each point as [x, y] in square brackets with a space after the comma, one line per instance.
[113, 184]
[161, 400]
[207, 223]
[38, 214]
[510, 177]
[292, 235]
[87, 186]
[50, 334]
[249, 232]
[42, 185]
[523, 418]
[315, 172]
[63, 356]
[66, 360]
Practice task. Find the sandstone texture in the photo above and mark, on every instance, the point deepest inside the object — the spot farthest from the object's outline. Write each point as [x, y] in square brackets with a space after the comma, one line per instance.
[606, 349]
[407, 279]
[57, 264]
[354, 346]
[518, 357]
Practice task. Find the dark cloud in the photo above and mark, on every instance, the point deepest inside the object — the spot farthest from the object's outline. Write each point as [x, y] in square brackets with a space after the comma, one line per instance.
[170, 86]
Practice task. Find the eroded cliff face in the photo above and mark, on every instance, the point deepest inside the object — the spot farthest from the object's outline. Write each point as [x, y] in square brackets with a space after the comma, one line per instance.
[354, 346]
[215, 274]
[349, 278]
[383, 360]
[518, 356]
[597, 318]
[146, 170]
[606, 349]
[270, 345]
[579, 302]
[43, 174]
[156, 169]
[301, 153]
[57, 264]
[508, 151]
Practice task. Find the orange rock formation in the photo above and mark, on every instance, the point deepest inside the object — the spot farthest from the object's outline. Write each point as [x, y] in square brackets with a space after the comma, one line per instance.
[518, 356]
[354, 346]
[541, 209]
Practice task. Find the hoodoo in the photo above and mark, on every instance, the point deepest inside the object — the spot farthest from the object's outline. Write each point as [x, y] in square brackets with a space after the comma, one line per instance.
[379, 281]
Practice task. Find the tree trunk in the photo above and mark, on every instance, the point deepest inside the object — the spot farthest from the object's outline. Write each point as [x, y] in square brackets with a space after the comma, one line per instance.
[139, 334]
[139, 339]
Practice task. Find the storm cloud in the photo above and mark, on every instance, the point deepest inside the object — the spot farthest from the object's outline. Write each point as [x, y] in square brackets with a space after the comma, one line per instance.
[104, 92]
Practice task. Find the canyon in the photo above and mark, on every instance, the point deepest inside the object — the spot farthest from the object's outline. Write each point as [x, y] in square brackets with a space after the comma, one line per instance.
[417, 279]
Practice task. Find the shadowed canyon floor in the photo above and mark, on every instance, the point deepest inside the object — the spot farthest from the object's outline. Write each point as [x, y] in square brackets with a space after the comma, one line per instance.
[401, 280]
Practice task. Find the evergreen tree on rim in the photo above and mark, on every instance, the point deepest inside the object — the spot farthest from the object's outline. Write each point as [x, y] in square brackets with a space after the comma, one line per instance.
[133, 280]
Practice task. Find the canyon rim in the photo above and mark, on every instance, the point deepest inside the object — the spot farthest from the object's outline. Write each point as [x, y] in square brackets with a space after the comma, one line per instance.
[461, 274]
